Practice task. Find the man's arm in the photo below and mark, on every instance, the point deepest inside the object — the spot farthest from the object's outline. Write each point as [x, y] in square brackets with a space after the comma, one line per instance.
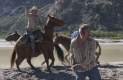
[26, 11]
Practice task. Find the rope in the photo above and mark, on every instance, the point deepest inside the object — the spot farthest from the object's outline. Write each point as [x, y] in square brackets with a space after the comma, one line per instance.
[19, 18]
[54, 10]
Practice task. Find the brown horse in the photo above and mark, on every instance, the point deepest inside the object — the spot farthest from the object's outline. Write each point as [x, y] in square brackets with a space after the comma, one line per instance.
[65, 41]
[45, 46]
[15, 36]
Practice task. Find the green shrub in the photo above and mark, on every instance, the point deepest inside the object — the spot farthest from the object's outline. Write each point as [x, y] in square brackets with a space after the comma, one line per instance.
[105, 34]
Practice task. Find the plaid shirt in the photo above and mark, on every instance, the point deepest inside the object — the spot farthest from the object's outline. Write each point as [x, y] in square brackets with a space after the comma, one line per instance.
[84, 54]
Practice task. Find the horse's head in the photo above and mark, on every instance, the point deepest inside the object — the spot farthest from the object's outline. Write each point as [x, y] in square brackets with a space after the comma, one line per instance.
[60, 38]
[54, 21]
[12, 36]
[63, 40]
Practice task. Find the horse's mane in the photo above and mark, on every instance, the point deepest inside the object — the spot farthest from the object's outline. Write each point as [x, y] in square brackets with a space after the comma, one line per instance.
[64, 36]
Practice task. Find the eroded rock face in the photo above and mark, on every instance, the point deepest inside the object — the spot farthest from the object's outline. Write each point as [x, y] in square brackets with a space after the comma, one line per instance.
[13, 7]
[101, 14]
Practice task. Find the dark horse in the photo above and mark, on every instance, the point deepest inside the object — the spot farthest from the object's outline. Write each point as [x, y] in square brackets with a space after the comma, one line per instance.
[45, 46]
[65, 41]
[12, 36]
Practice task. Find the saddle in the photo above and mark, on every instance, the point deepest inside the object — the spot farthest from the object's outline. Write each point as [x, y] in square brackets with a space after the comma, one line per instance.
[38, 37]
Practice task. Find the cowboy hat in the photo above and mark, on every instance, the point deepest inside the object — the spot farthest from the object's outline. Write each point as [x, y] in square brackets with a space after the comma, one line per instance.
[34, 8]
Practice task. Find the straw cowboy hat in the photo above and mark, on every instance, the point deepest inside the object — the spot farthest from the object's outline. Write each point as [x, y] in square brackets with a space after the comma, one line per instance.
[34, 8]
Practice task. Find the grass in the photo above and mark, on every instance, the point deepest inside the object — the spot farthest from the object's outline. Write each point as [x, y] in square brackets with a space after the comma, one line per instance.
[3, 34]
[106, 34]
[103, 34]
[97, 34]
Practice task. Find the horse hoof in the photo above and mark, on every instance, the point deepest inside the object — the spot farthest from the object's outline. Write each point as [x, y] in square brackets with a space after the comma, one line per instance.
[48, 70]
[19, 70]
[33, 68]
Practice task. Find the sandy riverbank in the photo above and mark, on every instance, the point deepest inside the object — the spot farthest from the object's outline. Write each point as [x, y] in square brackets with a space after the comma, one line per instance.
[108, 72]
[111, 52]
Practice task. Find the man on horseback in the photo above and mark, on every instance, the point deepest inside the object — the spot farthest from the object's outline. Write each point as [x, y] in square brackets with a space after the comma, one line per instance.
[33, 25]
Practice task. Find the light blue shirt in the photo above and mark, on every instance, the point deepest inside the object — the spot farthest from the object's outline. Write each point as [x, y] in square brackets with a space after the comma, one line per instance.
[74, 34]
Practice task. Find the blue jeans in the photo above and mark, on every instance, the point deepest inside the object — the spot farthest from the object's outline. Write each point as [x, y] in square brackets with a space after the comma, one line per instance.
[93, 74]
[32, 40]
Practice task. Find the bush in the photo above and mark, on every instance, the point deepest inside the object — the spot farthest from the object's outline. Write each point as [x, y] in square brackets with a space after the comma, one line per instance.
[105, 34]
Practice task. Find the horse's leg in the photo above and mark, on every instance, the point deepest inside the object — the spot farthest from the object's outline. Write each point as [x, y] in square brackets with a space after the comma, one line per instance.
[18, 62]
[29, 62]
[52, 58]
[47, 61]
[48, 67]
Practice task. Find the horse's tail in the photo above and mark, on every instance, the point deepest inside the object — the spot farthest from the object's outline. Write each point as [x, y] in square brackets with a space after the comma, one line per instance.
[13, 57]
[60, 53]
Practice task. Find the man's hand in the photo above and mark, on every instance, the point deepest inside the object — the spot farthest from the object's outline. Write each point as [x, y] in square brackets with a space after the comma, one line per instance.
[26, 11]
[78, 66]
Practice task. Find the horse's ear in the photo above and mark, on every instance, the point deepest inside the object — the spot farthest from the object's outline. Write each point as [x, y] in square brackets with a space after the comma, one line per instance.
[56, 34]
[49, 16]
[15, 31]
